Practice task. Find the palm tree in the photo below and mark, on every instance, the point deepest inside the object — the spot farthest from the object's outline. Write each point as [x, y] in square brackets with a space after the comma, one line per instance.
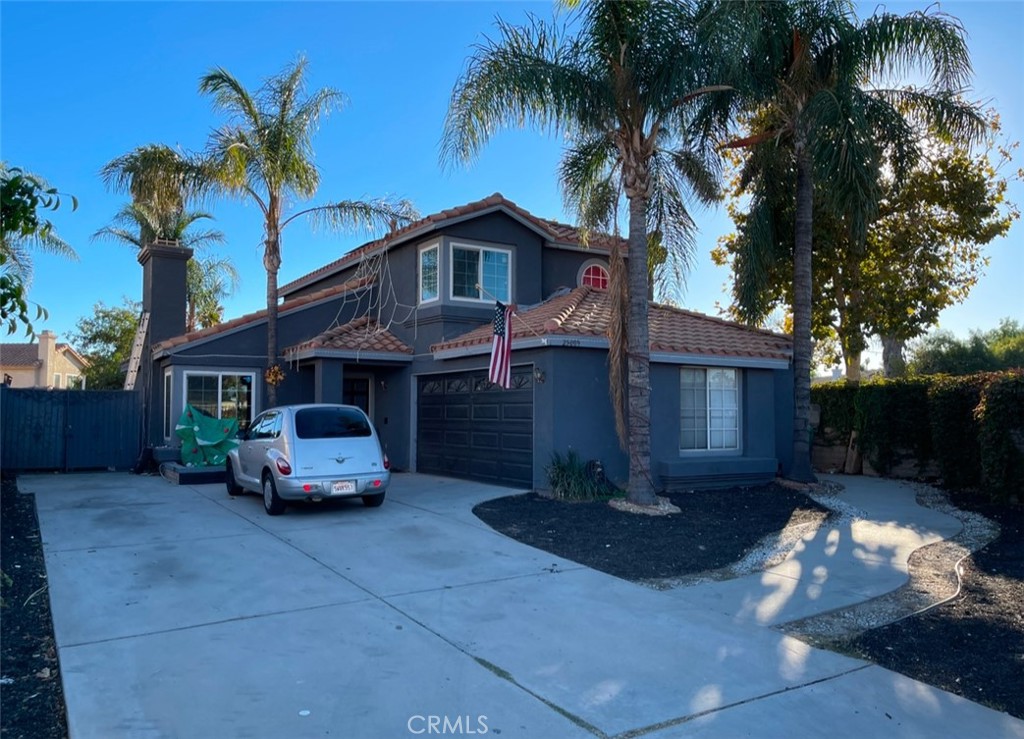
[32, 234]
[622, 90]
[208, 281]
[264, 154]
[807, 84]
[158, 178]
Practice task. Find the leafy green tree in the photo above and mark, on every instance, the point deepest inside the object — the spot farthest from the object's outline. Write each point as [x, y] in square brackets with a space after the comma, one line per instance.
[941, 352]
[264, 154]
[923, 251]
[22, 230]
[821, 126]
[106, 338]
[623, 89]
[208, 280]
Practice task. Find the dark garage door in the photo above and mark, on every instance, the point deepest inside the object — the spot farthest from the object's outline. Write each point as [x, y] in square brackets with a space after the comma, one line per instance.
[467, 427]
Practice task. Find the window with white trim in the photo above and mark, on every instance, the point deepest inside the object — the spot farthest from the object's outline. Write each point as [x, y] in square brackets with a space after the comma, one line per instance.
[168, 421]
[491, 269]
[221, 394]
[428, 274]
[594, 275]
[56, 379]
[709, 409]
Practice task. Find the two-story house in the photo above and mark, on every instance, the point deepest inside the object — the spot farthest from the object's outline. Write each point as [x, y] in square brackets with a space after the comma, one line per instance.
[401, 326]
[45, 363]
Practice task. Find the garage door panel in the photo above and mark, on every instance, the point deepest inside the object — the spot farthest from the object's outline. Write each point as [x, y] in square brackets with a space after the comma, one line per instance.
[468, 427]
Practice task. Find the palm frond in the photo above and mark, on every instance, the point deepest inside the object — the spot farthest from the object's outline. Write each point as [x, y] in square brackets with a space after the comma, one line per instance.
[364, 216]
[529, 75]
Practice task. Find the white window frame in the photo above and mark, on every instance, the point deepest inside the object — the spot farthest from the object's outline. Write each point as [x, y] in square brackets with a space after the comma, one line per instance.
[593, 263]
[56, 380]
[254, 374]
[168, 404]
[738, 449]
[479, 278]
[436, 248]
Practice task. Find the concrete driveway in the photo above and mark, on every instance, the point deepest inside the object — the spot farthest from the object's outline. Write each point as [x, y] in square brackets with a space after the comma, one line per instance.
[180, 612]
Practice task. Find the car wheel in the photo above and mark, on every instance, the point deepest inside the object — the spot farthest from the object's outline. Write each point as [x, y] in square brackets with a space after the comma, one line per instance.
[229, 480]
[372, 501]
[271, 501]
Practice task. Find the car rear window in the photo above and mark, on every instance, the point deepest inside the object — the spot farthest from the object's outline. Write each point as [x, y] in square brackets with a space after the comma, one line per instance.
[330, 423]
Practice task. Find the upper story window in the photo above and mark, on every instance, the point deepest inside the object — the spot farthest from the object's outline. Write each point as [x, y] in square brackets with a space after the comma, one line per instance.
[594, 275]
[491, 269]
[709, 409]
[428, 274]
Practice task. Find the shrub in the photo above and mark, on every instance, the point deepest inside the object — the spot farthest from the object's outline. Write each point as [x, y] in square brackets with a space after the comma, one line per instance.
[836, 401]
[573, 479]
[892, 418]
[951, 405]
[1000, 416]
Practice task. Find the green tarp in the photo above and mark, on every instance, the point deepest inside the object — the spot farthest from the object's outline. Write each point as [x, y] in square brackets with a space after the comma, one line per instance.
[205, 440]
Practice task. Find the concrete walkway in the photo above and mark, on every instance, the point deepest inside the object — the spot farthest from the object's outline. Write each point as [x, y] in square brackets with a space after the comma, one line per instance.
[180, 612]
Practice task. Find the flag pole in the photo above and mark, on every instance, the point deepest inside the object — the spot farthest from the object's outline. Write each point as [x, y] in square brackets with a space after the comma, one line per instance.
[514, 314]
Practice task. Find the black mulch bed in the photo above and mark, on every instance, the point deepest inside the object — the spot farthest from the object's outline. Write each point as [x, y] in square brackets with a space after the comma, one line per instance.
[715, 529]
[31, 697]
[974, 645]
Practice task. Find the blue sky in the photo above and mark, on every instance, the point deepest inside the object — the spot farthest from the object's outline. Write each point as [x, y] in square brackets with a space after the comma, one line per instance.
[81, 83]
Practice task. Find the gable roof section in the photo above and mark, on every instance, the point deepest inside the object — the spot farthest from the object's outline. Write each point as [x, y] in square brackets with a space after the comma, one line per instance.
[251, 319]
[362, 336]
[553, 232]
[71, 354]
[585, 313]
[19, 355]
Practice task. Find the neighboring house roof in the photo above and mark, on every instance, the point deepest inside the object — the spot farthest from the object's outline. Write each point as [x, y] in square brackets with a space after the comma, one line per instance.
[585, 314]
[27, 355]
[361, 336]
[67, 349]
[555, 233]
[19, 355]
[261, 315]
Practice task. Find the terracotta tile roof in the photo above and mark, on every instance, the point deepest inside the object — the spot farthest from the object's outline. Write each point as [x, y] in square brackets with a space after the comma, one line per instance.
[261, 315]
[586, 312]
[560, 233]
[363, 334]
[19, 355]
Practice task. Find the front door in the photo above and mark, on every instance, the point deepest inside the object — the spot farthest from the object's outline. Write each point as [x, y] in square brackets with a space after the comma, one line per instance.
[356, 391]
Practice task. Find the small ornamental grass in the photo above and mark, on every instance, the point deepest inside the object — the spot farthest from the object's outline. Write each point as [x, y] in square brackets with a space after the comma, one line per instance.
[573, 479]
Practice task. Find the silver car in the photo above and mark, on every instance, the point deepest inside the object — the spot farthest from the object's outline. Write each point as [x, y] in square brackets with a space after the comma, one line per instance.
[309, 452]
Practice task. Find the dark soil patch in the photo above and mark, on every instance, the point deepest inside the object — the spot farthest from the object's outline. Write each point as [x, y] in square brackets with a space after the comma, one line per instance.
[974, 645]
[31, 697]
[716, 528]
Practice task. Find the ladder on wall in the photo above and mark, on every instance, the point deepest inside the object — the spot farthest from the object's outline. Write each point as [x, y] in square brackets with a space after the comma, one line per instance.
[136, 359]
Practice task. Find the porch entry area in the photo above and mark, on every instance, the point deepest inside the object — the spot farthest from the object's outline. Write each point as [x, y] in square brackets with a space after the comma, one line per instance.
[467, 427]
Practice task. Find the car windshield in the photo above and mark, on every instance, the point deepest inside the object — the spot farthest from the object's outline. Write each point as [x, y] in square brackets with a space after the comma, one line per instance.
[330, 423]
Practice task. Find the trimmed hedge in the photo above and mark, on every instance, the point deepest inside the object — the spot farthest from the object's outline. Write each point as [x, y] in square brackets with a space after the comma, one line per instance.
[971, 426]
[1000, 418]
[892, 419]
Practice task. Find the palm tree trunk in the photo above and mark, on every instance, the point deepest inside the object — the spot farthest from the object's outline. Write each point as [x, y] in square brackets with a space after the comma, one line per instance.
[802, 346]
[640, 489]
[272, 262]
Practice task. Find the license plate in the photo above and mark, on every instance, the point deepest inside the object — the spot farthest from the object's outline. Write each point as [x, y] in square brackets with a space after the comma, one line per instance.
[343, 486]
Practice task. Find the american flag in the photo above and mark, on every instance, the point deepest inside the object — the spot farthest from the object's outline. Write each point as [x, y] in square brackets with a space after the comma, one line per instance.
[501, 347]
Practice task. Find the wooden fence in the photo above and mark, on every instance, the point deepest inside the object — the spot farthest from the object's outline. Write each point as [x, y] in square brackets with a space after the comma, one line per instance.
[69, 430]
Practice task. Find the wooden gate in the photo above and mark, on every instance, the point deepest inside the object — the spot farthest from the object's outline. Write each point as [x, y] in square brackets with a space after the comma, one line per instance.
[69, 429]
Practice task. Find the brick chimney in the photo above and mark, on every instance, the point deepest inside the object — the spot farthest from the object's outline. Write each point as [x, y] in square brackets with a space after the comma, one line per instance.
[164, 270]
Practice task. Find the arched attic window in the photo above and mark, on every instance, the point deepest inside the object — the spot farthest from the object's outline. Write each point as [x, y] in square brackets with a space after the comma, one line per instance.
[594, 274]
